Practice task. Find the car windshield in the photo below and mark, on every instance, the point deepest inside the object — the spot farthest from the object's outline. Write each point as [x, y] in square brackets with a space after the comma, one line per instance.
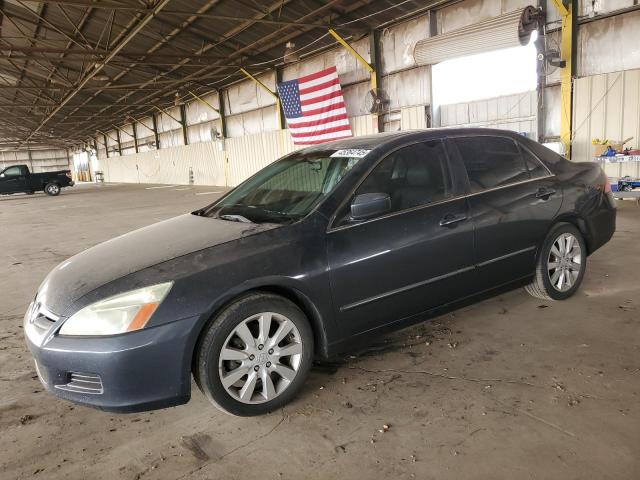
[286, 190]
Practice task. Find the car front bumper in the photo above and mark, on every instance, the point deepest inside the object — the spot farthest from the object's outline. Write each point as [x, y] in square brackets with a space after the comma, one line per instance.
[132, 372]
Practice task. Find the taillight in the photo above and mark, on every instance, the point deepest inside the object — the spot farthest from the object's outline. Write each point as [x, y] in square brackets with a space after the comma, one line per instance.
[68, 174]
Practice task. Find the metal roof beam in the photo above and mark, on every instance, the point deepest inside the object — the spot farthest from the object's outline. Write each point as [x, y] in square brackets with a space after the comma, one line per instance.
[99, 66]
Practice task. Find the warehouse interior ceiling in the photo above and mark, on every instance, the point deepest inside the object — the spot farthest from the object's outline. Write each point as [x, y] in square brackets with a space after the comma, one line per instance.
[70, 68]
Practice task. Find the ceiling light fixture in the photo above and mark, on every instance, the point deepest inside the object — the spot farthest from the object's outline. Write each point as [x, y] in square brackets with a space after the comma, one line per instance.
[290, 55]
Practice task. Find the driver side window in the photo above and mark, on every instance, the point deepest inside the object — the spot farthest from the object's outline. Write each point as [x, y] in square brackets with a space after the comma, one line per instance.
[12, 172]
[412, 176]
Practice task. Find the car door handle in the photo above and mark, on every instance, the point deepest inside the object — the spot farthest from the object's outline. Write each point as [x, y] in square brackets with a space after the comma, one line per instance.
[451, 219]
[544, 194]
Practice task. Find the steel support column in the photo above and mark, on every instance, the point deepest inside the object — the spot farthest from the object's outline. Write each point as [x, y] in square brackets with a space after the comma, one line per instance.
[154, 121]
[183, 123]
[566, 11]
[135, 136]
[106, 145]
[281, 118]
[376, 63]
[119, 142]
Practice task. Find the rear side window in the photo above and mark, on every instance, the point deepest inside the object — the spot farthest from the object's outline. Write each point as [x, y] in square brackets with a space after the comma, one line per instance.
[535, 167]
[491, 161]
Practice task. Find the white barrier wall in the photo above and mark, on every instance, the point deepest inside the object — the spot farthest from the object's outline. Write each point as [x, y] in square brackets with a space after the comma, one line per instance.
[606, 107]
[511, 112]
[169, 166]
[629, 167]
[36, 160]
[204, 163]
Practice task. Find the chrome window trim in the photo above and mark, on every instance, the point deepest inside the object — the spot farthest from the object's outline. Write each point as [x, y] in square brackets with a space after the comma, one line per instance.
[528, 150]
[500, 187]
[427, 205]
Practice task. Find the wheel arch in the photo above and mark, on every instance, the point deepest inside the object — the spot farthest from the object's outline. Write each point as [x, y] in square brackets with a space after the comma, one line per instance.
[577, 221]
[294, 295]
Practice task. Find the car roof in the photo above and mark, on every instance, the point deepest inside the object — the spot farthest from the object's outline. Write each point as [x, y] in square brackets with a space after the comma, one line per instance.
[370, 142]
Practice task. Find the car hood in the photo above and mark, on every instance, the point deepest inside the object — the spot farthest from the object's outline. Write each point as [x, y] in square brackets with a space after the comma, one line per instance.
[134, 251]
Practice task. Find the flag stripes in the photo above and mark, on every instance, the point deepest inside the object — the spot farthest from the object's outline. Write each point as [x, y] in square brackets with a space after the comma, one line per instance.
[314, 108]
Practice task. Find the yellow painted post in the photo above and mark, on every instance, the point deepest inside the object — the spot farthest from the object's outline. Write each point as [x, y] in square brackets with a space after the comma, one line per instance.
[268, 90]
[373, 75]
[162, 110]
[204, 102]
[350, 49]
[566, 74]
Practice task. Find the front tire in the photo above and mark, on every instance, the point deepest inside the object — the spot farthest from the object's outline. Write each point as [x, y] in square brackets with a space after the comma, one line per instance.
[561, 264]
[52, 189]
[254, 357]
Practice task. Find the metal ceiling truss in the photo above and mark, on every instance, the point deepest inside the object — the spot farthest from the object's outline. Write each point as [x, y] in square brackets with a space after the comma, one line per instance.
[70, 68]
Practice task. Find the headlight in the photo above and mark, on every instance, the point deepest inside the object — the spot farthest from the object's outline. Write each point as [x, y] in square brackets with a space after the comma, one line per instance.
[119, 314]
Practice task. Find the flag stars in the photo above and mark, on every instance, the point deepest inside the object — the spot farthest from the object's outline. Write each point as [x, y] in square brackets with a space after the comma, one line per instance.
[324, 118]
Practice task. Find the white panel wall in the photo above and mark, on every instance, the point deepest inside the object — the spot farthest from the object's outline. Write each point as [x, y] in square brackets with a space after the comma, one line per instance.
[41, 160]
[468, 12]
[206, 160]
[169, 166]
[605, 107]
[397, 44]
[598, 7]
[251, 153]
[412, 118]
[609, 45]
[620, 169]
[511, 112]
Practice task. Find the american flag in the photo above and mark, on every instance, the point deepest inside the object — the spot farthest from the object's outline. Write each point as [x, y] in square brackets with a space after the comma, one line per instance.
[314, 108]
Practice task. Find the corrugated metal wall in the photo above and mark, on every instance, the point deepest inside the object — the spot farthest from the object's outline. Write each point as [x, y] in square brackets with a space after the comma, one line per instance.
[40, 161]
[206, 161]
[170, 166]
[605, 107]
[254, 139]
[610, 44]
[511, 112]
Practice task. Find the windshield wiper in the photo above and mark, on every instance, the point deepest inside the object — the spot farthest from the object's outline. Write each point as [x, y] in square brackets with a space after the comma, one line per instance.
[235, 218]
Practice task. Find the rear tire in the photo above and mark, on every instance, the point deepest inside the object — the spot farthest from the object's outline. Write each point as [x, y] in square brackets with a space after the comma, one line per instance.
[560, 265]
[254, 357]
[52, 189]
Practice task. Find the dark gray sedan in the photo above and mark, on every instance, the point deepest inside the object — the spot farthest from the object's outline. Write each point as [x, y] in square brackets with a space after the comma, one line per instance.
[325, 246]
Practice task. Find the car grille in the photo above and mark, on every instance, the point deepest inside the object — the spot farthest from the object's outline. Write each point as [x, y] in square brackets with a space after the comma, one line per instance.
[83, 383]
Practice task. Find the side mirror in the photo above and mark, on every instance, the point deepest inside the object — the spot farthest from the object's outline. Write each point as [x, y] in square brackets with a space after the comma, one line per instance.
[369, 205]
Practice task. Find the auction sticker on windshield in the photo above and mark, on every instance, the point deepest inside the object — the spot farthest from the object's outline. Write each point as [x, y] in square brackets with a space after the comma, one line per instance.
[350, 153]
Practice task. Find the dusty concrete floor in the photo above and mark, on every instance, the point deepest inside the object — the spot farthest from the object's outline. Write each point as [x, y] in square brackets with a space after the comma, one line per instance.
[509, 388]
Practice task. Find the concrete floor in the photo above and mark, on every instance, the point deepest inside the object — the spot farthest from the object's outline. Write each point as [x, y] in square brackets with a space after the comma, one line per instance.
[509, 388]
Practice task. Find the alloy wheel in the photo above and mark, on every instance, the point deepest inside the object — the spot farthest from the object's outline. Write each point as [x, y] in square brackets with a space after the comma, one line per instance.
[565, 262]
[260, 358]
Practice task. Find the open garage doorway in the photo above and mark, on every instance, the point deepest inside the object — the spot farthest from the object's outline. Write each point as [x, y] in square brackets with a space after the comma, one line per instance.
[493, 89]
